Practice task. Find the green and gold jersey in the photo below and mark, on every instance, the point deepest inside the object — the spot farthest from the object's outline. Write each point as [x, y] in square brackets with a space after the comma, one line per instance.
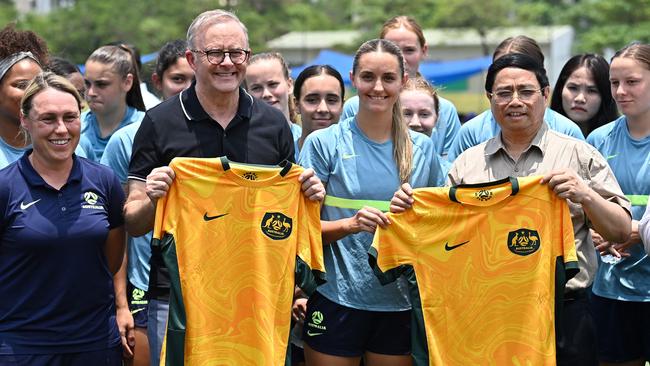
[487, 266]
[236, 238]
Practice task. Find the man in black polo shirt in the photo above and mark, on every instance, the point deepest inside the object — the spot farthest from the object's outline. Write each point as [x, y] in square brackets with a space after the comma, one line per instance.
[214, 117]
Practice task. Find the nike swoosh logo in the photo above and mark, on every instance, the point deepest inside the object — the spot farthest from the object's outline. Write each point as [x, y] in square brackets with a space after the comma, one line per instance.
[452, 247]
[349, 156]
[312, 334]
[24, 206]
[611, 156]
[210, 218]
[136, 311]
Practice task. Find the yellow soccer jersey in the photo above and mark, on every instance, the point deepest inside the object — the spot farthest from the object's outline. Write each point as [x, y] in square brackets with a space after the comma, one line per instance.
[236, 238]
[486, 264]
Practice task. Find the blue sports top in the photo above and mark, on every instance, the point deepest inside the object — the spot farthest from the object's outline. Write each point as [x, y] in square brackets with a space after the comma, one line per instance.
[629, 158]
[117, 156]
[90, 129]
[55, 283]
[353, 167]
[443, 133]
[484, 127]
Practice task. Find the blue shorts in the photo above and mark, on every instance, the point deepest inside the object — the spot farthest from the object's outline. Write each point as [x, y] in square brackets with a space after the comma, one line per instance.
[623, 329]
[338, 330]
[106, 357]
[138, 304]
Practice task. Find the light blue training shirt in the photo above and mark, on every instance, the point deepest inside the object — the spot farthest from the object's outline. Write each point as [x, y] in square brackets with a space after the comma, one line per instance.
[117, 156]
[90, 129]
[629, 278]
[443, 133]
[354, 168]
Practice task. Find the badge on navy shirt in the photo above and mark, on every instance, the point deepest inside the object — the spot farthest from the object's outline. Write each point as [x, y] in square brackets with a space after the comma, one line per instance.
[91, 199]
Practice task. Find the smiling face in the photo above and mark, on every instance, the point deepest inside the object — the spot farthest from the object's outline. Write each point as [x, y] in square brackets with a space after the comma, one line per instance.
[409, 43]
[378, 81]
[419, 110]
[265, 80]
[12, 88]
[518, 116]
[580, 96]
[105, 89]
[630, 83]
[320, 103]
[53, 125]
[226, 76]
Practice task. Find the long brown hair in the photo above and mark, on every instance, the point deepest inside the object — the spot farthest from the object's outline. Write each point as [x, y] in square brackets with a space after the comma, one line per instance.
[402, 144]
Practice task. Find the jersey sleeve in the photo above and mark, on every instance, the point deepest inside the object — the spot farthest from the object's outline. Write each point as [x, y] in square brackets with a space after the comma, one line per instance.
[116, 200]
[350, 108]
[568, 248]
[310, 266]
[393, 246]
[145, 156]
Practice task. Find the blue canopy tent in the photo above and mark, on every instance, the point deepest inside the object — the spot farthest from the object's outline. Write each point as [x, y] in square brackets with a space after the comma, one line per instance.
[439, 72]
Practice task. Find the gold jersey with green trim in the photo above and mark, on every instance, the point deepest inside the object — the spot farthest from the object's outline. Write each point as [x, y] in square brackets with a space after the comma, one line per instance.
[487, 265]
[236, 238]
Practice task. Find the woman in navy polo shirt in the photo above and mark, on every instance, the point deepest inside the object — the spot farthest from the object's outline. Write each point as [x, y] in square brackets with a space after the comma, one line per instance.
[61, 240]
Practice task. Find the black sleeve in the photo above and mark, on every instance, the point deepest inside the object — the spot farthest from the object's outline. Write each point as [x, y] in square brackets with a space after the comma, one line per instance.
[287, 150]
[145, 155]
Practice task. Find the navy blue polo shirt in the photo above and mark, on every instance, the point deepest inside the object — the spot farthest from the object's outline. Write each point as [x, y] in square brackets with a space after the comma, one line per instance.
[56, 291]
[179, 126]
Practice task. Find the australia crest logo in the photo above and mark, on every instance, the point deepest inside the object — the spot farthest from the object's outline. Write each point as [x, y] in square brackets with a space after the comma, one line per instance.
[276, 225]
[523, 241]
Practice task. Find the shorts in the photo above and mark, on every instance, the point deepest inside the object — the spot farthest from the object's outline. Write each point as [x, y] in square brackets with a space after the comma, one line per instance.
[575, 334]
[106, 357]
[624, 329]
[138, 304]
[338, 330]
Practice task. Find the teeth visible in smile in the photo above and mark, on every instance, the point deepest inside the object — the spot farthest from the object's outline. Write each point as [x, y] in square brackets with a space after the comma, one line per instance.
[515, 114]
[373, 97]
[59, 142]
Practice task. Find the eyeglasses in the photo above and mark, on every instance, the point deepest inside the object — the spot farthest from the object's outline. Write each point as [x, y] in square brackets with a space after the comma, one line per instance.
[216, 57]
[506, 96]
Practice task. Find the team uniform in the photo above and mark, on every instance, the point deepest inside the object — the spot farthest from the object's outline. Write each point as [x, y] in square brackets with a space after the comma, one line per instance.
[179, 126]
[9, 154]
[117, 156]
[548, 151]
[90, 129]
[484, 127]
[58, 300]
[622, 301]
[444, 132]
[489, 263]
[359, 172]
[232, 236]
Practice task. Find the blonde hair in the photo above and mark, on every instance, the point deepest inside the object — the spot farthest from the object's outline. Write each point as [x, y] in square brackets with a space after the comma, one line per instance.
[291, 100]
[402, 144]
[43, 81]
[420, 84]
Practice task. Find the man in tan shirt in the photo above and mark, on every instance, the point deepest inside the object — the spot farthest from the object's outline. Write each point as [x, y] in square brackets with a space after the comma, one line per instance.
[518, 90]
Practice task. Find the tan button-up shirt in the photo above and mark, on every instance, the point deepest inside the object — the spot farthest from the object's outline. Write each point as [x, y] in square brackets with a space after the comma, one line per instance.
[548, 151]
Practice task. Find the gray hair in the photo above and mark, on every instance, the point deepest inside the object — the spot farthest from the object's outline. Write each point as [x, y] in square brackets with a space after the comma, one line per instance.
[212, 17]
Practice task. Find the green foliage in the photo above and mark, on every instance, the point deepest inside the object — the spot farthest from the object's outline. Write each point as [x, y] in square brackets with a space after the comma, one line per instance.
[76, 31]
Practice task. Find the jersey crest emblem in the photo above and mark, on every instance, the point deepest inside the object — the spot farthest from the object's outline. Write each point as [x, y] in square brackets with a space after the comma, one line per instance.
[250, 176]
[483, 195]
[523, 241]
[276, 225]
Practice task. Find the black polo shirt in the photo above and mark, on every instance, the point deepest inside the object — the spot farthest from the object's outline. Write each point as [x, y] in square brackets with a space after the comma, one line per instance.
[179, 126]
